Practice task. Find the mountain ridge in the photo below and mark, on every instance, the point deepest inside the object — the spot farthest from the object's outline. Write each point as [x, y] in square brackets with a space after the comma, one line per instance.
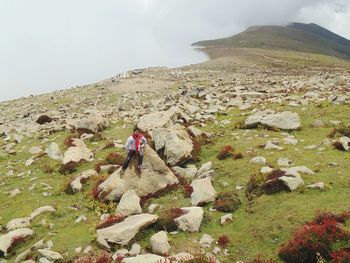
[308, 38]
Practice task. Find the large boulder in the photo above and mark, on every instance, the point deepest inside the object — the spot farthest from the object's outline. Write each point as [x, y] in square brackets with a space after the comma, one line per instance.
[77, 184]
[191, 220]
[91, 124]
[77, 153]
[129, 204]
[6, 241]
[286, 120]
[174, 144]
[121, 233]
[203, 191]
[155, 176]
[159, 119]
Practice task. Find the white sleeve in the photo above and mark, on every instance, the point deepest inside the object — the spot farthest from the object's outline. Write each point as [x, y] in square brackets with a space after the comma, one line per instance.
[127, 144]
[144, 140]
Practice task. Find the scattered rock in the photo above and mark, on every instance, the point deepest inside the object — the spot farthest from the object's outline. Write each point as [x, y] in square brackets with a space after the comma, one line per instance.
[50, 255]
[160, 244]
[129, 204]
[191, 221]
[206, 241]
[53, 151]
[203, 191]
[258, 160]
[6, 240]
[77, 184]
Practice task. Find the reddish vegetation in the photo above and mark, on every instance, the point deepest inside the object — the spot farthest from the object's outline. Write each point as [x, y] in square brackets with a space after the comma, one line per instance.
[338, 146]
[237, 156]
[16, 240]
[110, 220]
[341, 256]
[317, 237]
[225, 152]
[166, 219]
[223, 241]
[197, 148]
[69, 141]
[94, 190]
[104, 257]
[68, 168]
[115, 158]
[98, 166]
[188, 190]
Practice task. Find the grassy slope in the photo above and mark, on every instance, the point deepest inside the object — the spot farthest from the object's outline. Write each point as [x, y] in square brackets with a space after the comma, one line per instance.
[259, 230]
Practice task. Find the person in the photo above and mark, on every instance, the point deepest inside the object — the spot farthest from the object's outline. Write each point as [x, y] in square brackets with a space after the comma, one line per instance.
[134, 146]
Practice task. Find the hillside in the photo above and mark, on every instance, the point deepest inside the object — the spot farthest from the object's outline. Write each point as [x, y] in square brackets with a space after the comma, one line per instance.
[308, 38]
[243, 151]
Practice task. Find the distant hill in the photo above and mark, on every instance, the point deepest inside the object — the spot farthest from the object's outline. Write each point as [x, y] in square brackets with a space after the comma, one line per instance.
[310, 38]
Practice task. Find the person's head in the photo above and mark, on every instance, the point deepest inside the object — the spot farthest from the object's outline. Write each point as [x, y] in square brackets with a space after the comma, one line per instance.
[137, 131]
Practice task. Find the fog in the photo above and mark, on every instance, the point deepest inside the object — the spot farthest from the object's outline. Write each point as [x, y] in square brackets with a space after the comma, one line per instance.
[54, 44]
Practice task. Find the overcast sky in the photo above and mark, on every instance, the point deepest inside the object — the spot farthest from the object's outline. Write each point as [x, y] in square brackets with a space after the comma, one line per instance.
[53, 44]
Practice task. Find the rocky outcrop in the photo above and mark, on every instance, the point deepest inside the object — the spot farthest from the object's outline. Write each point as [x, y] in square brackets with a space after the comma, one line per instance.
[154, 177]
[159, 119]
[92, 124]
[174, 144]
[121, 233]
[79, 152]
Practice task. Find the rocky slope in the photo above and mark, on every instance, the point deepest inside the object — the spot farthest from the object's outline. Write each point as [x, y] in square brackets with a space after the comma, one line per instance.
[212, 129]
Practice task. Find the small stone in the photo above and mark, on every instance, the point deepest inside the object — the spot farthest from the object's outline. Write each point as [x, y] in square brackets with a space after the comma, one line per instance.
[206, 240]
[258, 160]
[225, 219]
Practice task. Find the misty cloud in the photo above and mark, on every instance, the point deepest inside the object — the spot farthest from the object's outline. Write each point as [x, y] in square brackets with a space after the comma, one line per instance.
[46, 45]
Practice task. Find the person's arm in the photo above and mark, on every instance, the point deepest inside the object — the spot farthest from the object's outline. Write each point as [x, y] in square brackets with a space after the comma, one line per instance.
[127, 144]
[143, 141]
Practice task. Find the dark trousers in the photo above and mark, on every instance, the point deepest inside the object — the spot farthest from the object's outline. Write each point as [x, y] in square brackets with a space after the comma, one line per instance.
[131, 154]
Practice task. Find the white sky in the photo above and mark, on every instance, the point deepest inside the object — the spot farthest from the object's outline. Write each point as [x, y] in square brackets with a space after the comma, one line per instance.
[54, 44]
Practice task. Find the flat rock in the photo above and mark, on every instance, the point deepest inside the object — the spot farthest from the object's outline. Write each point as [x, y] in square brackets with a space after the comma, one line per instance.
[286, 120]
[50, 255]
[121, 233]
[77, 153]
[42, 209]
[160, 119]
[147, 258]
[154, 176]
[18, 223]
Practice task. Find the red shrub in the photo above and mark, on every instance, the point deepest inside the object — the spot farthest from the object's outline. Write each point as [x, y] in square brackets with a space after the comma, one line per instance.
[237, 156]
[197, 149]
[188, 190]
[313, 238]
[341, 256]
[337, 145]
[114, 158]
[98, 166]
[94, 191]
[110, 220]
[223, 241]
[225, 152]
[69, 141]
[104, 257]
[68, 168]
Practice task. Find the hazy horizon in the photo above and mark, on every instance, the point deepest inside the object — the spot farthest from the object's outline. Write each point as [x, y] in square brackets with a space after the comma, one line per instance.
[49, 45]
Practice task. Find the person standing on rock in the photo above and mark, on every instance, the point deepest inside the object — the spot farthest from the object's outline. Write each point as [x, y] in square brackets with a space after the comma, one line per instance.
[133, 146]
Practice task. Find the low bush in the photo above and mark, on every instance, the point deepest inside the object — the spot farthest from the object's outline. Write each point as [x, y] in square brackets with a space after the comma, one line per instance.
[197, 149]
[225, 152]
[188, 190]
[68, 168]
[339, 132]
[237, 156]
[223, 241]
[166, 219]
[341, 256]
[317, 239]
[115, 158]
[103, 257]
[227, 202]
